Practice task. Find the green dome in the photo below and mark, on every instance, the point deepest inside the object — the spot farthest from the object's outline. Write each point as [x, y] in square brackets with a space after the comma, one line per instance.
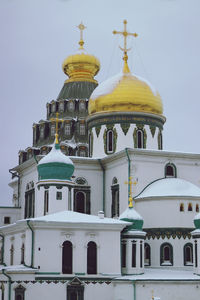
[197, 221]
[55, 165]
[131, 215]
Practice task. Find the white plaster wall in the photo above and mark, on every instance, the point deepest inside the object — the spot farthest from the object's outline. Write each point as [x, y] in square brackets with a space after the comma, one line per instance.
[50, 241]
[123, 141]
[178, 255]
[12, 212]
[165, 212]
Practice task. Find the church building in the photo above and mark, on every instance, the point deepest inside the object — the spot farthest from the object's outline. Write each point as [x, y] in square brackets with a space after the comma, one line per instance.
[99, 208]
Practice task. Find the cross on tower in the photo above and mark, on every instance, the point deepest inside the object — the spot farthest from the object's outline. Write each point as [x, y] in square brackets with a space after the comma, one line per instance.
[130, 184]
[57, 121]
[81, 27]
[125, 34]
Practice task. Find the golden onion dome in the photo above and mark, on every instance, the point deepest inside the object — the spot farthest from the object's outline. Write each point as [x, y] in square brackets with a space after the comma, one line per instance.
[125, 92]
[81, 66]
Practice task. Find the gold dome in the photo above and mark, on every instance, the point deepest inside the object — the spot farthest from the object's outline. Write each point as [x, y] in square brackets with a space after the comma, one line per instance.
[81, 67]
[125, 92]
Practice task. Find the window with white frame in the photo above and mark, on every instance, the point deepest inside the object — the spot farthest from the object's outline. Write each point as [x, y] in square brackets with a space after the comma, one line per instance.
[188, 254]
[166, 254]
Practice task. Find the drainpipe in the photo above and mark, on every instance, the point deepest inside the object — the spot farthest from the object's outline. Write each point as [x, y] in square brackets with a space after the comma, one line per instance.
[134, 291]
[32, 244]
[9, 283]
[129, 169]
[2, 255]
[103, 169]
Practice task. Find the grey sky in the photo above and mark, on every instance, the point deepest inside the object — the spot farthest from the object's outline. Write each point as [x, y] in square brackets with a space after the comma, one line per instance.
[36, 36]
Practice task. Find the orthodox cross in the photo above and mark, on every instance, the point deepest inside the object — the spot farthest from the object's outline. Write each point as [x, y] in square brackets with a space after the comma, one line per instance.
[81, 27]
[130, 184]
[125, 34]
[57, 121]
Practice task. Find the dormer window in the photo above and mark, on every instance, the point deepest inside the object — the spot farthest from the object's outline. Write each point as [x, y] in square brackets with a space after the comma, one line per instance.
[82, 129]
[61, 106]
[67, 129]
[82, 106]
[71, 106]
[53, 130]
[42, 132]
[53, 107]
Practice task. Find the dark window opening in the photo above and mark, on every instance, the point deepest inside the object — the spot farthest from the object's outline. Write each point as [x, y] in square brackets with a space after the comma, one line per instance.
[166, 254]
[147, 255]
[92, 258]
[82, 200]
[19, 293]
[196, 256]
[140, 137]
[141, 254]
[188, 254]
[6, 220]
[115, 200]
[189, 207]
[170, 170]
[123, 255]
[46, 202]
[110, 141]
[181, 207]
[29, 204]
[67, 257]
[133, 254]
[22, 253]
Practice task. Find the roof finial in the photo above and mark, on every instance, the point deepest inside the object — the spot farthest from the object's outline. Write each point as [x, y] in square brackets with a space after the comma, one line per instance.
[81, 27]
[56, 120]
[125, 34]
[130, 183]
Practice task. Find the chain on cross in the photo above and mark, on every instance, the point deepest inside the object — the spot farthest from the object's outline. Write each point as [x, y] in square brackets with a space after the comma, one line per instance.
[81, 27]
[130, 186]
[57, 121]
[125, 34]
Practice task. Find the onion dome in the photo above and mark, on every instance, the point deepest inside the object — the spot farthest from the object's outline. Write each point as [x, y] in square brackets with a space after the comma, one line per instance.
[197, 221]
[55, 165]
[81, 68]
[132, 216]
[125, 92]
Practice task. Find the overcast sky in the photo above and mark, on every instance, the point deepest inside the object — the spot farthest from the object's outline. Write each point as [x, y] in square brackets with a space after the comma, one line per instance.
[37, 35]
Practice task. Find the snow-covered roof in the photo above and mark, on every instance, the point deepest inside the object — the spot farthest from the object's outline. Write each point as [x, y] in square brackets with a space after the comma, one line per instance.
[130, 214]
[55, 155]
[170, 187]
[109, 85]
[18, 269]
[159, 274]
[75, 217]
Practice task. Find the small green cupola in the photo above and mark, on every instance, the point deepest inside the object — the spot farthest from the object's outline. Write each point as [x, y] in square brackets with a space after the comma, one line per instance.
[132, 216]
[197, 221]
[55, 165]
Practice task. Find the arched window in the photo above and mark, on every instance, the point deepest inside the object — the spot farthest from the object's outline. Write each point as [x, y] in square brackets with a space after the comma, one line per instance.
[92, 258]
[67, 257]
[82, 196]
[46, 202]
[181, 207]
[22, 253]
[190, 207]
[20, 293]
[147, 255]
[115, 198]
[166, 254]
[133, 254]
[197, 207]
[80, 205]
[109, 141]
[11, 254]
[170, 170]
[188, 254]
[140, 139]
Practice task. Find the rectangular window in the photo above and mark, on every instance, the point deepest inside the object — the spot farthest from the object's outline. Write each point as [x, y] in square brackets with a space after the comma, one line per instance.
[141, 254]
[123, 255]
[59, 196]
[46, 202]
[6, 220]
[29, 204]
[134, 254]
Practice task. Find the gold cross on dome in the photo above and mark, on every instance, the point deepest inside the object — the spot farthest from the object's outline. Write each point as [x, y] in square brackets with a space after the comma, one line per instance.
[81, 27]
[57, 121]
[130, 185]
[125, 34]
